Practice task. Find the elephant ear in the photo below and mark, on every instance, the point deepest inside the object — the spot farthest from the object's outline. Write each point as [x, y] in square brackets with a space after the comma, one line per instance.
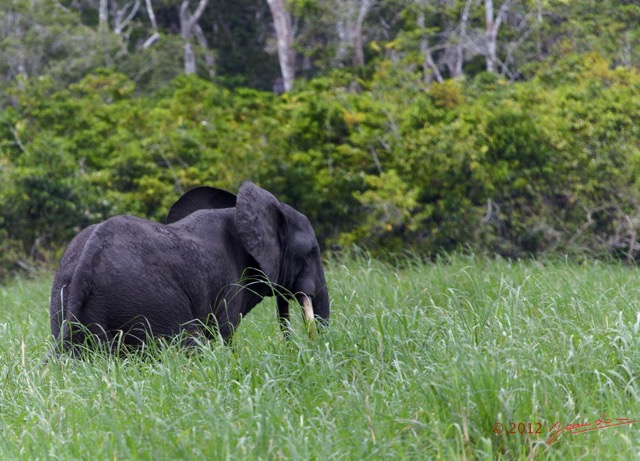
[259, 223]
[200, 198]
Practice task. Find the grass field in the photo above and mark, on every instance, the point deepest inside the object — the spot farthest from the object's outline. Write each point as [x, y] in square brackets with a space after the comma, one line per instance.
[431, 361]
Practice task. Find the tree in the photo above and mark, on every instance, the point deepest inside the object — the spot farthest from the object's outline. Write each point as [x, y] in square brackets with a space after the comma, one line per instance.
[462, 44]
[189, 27]
[350, 16]
[39, 37]
[493, 23]
[365, 6]
[284, 37]
[428, 62]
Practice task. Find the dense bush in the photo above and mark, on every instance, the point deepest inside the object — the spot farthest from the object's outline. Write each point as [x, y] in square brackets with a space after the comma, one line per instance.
[550, 164]
[514, 168]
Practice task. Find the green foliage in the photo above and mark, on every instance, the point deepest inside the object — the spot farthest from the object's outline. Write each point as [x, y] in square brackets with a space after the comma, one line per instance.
[551, 164]
[522, 168]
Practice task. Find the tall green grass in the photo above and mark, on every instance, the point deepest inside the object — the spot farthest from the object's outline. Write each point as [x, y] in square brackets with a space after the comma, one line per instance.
[420, 362]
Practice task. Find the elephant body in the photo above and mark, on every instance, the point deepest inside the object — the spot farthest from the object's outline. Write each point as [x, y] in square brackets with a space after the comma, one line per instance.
[206, 267]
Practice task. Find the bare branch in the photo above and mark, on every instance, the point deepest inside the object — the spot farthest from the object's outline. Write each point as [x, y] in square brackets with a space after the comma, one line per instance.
[151, 40]
[16, 136]
[426, 53]
[502, 12]
[152, 16]
[190, 19]
[155, 36]
[209, 59]
[119, 22]
[199, 10]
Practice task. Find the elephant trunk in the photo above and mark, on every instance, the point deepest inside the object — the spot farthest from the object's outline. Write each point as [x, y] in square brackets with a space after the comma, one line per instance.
[321, 307]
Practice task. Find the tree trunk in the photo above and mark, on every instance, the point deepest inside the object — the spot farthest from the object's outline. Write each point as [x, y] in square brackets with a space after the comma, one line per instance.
[284, 37]
[209, 58]
[539, 28]
[189, 58]
[493, 24]
[462, 40]
[103, 15]
[491, 36]
[358, 48]
[188, 21]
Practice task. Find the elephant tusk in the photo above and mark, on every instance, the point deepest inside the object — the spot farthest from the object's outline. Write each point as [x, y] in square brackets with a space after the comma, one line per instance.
[309, 319]
[307, 309]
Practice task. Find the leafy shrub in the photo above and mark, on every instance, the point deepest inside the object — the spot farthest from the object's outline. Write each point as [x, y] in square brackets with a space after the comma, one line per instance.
[551, 164]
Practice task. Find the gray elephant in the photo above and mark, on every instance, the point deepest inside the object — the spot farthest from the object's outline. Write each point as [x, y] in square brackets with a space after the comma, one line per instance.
[214, 260]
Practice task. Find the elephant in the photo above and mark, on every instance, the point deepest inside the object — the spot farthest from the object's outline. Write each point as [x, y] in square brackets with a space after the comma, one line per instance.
[216, 257]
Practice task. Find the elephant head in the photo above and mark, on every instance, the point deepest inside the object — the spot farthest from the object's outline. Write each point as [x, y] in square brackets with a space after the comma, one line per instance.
[284, 244]
[279, 238]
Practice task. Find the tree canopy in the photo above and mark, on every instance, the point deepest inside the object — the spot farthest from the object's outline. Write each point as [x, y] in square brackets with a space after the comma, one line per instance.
[237, 42]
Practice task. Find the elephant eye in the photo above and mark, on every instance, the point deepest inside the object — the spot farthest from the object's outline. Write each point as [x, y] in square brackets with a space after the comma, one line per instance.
[314, 252]
[306, 257]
